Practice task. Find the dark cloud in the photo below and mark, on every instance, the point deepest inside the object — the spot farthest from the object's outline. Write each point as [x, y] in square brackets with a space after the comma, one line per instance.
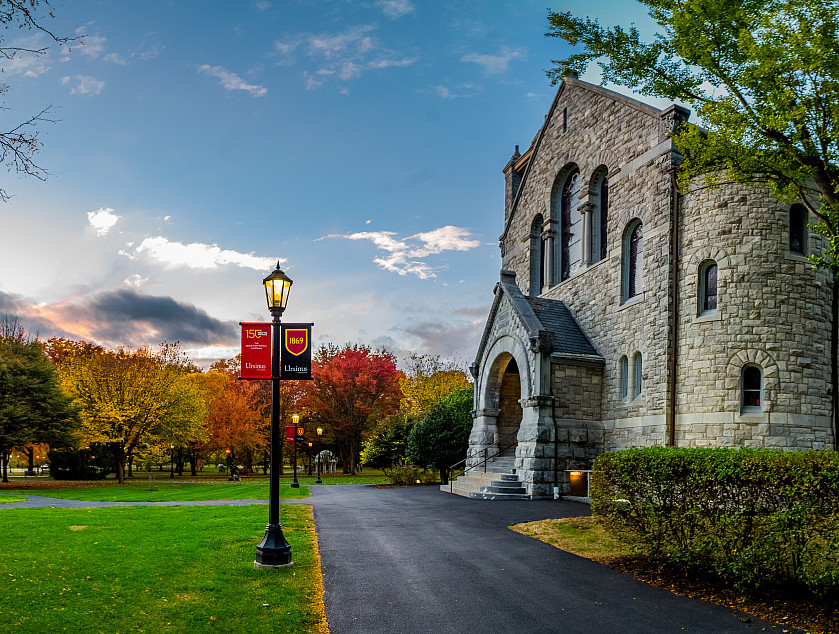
[453, 341]
[122, 315]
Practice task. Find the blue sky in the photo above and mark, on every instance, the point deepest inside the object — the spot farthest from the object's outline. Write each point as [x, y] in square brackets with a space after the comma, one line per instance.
[359, 142]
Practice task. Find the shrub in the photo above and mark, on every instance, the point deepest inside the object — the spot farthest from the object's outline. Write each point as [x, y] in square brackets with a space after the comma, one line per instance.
[409, 475]
[80, 464]
[753, 517]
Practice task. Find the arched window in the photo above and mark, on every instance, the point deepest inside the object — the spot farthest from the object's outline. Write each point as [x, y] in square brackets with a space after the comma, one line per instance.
[708, 287]
[599, 222]
[537, 256]
[636, 375]
[633, 260]
[571, 224]
[623, 377]
[751, 388]
[798, 229]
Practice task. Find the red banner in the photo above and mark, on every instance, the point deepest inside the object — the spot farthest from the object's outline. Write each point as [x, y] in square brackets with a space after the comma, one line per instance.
[289, 433]
[256, 351]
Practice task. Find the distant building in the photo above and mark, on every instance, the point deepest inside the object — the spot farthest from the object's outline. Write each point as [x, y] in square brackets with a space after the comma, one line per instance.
[628, 315]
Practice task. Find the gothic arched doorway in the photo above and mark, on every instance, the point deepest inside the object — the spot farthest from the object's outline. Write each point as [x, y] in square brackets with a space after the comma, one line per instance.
[509, 408]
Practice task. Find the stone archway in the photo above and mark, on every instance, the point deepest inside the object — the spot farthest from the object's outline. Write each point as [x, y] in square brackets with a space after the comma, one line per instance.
[509, 407]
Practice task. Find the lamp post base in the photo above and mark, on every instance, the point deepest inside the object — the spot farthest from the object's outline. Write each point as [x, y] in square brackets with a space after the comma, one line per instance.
[273, 551]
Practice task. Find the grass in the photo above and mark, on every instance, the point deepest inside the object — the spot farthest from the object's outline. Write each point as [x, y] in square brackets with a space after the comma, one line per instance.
[175, 491]
[584, 537]
[579, 535]
[6, 499]
[158, 569]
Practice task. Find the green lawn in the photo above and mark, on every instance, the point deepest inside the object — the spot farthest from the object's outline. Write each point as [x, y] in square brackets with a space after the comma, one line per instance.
[6, 499]
[173, 491]
[156, 569]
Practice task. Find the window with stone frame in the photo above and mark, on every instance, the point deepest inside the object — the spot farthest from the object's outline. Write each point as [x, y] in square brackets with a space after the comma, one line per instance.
[599, 221]
[623, 378]
[798, 229]
[633, 260]
[537, 256]
[708, 287]
[751, 389]
[637, 375]
[571, 226]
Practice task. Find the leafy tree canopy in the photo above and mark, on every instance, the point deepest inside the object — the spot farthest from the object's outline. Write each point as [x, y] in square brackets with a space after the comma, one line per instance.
[428, 380]
[441, 438]
[763, 76]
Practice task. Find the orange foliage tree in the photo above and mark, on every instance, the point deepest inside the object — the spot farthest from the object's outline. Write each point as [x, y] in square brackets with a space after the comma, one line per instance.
[352, 388]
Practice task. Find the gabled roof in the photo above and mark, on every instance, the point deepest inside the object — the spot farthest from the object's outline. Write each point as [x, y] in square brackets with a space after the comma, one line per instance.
[529, 156]
[550, 325]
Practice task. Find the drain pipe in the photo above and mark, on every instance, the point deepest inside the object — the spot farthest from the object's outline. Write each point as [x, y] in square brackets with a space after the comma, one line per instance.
[556, 445]
[674, 303]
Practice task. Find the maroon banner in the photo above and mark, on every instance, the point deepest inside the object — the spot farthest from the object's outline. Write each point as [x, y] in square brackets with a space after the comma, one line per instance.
[289, 433]
[256, 351]
[297, 352]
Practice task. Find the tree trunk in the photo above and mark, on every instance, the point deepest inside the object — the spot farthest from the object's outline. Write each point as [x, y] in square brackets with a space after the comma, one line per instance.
[130, 460]
[30, 455]
[193, 462]
[181, 461]
[4, 458]
[834, 360]
[119, 461]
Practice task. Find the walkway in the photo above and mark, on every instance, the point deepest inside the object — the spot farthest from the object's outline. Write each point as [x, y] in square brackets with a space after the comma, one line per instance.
[417, 560]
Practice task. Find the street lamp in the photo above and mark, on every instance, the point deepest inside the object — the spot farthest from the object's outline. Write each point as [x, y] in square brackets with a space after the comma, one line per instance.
[171, 461]
[295, 418]
[274, 551]
[320, 433]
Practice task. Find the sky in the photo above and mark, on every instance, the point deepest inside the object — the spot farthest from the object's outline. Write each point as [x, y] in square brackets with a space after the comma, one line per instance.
[197, 143]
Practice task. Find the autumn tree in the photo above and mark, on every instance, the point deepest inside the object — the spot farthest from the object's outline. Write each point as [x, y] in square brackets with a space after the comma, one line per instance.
[236, 419]
[441, 438]
[125, 395]
[428, 380]
[351, 389]
[763, 77]
[20, 142]
[33, 408]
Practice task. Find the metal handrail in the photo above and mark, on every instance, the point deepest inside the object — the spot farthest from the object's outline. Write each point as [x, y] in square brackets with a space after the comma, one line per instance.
[501, 449]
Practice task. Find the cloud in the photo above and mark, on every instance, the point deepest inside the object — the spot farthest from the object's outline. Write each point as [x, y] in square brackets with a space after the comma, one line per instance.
[85, 85]
[231, 81]
[25, 63]
[395, 8]
[102, 220]
[197, 255]
[136, 280]
[404, 255]
[451, 341]
[495, 64]
[263, 6]
[340, 56]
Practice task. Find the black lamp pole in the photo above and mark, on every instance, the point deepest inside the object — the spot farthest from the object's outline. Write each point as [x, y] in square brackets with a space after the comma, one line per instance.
[274, 551]
[294, 483]
[318, 456]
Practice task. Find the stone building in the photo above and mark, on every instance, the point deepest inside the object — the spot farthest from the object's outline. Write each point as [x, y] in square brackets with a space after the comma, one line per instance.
[628, 314]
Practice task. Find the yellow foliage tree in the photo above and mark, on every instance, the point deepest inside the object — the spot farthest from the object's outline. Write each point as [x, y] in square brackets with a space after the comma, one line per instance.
[429, 380]
[125, 396]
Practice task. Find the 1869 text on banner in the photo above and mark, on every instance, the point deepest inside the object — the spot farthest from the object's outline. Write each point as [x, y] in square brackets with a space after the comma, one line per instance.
[296, 352]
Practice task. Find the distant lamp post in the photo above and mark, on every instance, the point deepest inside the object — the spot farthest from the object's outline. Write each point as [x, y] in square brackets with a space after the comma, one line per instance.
[274, 551]
[310, 458]
[171, 461]
[320, 434]
[295, 418]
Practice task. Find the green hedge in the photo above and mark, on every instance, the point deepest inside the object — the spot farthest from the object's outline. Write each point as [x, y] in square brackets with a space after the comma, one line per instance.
[753, 517]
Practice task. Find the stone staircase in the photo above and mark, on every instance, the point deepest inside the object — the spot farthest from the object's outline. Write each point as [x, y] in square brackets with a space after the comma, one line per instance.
[500, 482]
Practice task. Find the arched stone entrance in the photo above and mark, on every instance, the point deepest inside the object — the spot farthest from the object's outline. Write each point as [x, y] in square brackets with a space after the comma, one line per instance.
[509, 408]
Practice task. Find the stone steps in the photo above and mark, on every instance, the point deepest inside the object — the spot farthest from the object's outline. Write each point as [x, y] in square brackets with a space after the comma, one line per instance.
[496, 484]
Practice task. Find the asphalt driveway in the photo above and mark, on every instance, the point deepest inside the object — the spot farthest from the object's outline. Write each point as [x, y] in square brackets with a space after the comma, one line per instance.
[417, 561]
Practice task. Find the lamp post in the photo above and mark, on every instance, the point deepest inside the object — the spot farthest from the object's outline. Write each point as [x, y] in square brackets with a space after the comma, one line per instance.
[274, 551]
[295, 418]
[171, 461]
[320, 433]
[310, 458]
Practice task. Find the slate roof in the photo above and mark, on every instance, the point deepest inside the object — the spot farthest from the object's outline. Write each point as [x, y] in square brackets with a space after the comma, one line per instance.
[568, 338]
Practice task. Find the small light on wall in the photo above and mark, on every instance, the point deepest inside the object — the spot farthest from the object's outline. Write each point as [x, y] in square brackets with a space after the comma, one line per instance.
[575, 473]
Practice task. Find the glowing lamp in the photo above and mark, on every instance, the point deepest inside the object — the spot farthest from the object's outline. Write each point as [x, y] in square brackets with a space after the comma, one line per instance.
[277, 287]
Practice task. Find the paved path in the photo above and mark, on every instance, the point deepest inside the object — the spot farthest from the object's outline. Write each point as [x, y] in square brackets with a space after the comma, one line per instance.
[417, 560]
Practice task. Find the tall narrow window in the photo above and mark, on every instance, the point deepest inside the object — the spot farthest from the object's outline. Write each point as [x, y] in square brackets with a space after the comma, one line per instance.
[623, 377]
[571, 226]
[752, 388]
[798, 229]
[633, 259]
[537, 256]
[637, 374]
[604, 215]
[708, 288]
[599, 221]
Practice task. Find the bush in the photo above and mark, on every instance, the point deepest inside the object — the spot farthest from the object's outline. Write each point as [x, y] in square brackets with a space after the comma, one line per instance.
[80, 464]
[409, 475]
[753, 517]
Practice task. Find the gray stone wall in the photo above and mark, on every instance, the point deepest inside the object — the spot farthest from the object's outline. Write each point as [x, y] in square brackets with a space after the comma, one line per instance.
[773, 311]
